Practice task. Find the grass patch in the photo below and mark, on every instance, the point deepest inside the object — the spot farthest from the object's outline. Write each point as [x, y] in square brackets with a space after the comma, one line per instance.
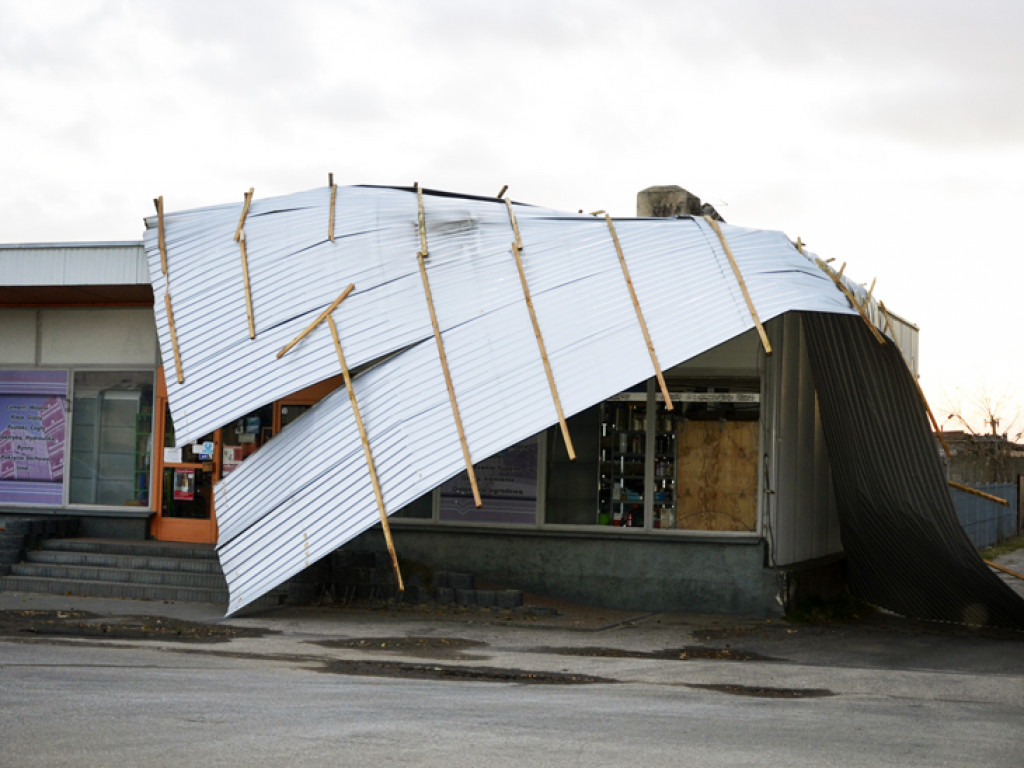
[1002, 548]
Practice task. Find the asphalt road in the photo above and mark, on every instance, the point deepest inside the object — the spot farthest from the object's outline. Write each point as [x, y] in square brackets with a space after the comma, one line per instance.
[684, 693]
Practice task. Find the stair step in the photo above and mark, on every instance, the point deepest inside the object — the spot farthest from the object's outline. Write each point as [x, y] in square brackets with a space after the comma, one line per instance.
[120, 575]
[129, 591]
[99, 559]
[137, 548]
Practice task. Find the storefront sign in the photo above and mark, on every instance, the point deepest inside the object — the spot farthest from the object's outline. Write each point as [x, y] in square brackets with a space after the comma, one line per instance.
[32, 431]
[508, 489]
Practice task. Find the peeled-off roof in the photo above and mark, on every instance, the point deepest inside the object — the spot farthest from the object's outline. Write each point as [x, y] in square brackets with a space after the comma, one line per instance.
[309, 490]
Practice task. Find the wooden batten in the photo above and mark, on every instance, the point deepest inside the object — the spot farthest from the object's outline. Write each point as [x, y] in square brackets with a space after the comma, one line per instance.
[174, 339]
[743, 284]
[421, 259]
[976, 492]
[837, 279]
[422, 220]
[161, 237]
[248, 289]
[320, 318]
[245, 212]
[920, 391]
[368, 452]
[517, 246]
[639, 314]
[334, 198]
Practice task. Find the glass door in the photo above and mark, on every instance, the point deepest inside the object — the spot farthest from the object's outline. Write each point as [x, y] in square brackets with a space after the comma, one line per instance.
[183, 484]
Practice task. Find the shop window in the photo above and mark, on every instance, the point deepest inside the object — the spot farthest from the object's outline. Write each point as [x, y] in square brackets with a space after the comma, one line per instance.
[111, 435]
[419, 509]
[244, 436]
[507, 482]
[32, 436]
[571, 488]
[641, 466]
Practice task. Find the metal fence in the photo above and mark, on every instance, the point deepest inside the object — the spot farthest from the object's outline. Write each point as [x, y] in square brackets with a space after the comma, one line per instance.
[986, 522]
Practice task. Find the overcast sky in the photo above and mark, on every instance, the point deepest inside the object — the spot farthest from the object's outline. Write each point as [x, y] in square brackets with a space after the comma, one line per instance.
[889, 135]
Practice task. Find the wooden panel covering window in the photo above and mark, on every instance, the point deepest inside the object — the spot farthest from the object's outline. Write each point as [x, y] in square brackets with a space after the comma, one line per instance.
[717, 476]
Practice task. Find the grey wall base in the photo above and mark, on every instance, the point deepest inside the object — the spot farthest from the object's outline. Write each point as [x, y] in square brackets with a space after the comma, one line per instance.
[129, 523]
[642, 574]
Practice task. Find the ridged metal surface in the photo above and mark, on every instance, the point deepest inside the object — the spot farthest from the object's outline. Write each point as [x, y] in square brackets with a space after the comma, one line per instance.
[906, 550]
[307, 491]
[71, 264]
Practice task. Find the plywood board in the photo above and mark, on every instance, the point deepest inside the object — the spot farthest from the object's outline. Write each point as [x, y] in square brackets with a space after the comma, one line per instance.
[716, 478]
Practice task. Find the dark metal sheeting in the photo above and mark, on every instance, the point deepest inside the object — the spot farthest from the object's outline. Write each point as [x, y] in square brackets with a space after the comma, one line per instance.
[905, 547]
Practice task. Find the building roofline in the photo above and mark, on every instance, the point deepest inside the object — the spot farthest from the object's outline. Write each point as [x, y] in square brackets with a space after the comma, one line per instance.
[77, 244]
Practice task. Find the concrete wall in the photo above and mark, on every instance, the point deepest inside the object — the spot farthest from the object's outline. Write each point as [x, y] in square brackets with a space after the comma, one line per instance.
[108, 337]
[630, 573]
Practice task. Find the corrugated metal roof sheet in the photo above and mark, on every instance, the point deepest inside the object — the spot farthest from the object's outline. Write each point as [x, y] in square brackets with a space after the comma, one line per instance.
[905, 546]
[71, 264]
[307, 492]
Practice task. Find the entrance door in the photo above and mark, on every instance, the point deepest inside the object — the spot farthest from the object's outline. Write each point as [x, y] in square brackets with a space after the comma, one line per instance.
[183, 480]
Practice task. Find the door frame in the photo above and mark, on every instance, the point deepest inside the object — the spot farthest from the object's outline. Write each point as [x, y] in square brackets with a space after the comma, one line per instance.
[193, 530]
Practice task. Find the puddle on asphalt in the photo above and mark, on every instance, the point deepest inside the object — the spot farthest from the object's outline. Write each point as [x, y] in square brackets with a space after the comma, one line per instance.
[689, 653]
[468, 674]
[428, 647]
[90, 625]
[764, 693]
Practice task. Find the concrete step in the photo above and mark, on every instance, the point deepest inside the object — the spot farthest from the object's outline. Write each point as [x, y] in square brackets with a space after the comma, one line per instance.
[143, 576]
[127, 591]
[97, 559]
[137, 548]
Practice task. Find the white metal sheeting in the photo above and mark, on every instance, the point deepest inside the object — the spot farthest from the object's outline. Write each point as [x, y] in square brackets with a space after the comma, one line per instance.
[308, 491]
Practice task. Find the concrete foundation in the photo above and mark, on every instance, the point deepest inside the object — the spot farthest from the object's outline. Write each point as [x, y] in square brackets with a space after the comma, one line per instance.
[627, 573]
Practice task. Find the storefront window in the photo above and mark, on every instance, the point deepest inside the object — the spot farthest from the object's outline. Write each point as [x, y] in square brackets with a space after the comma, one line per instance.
[571, 486]
[245, 436]
[507, 483]
[32, 431]
[111, 427]
[641, 466]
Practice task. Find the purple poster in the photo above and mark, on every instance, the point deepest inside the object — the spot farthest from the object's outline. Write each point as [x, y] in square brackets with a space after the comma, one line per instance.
[508, 489]
[32, 428]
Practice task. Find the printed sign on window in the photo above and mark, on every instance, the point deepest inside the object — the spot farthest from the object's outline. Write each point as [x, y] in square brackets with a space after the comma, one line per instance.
[184, 484]
[32, 427]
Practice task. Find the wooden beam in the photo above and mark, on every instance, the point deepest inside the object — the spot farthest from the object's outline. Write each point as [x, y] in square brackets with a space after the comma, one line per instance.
[334, 197]
[976, 492]
[517, 246]
[422, 220]
[319, 319]
[248, 289]
[421, 258]
[245, 212]
[1004, 569]
[743, 284]
[448, 382]
[927, 408]
[174, 339]
[368, 452]
[837, 279]
[639, 313]
[159, 202]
